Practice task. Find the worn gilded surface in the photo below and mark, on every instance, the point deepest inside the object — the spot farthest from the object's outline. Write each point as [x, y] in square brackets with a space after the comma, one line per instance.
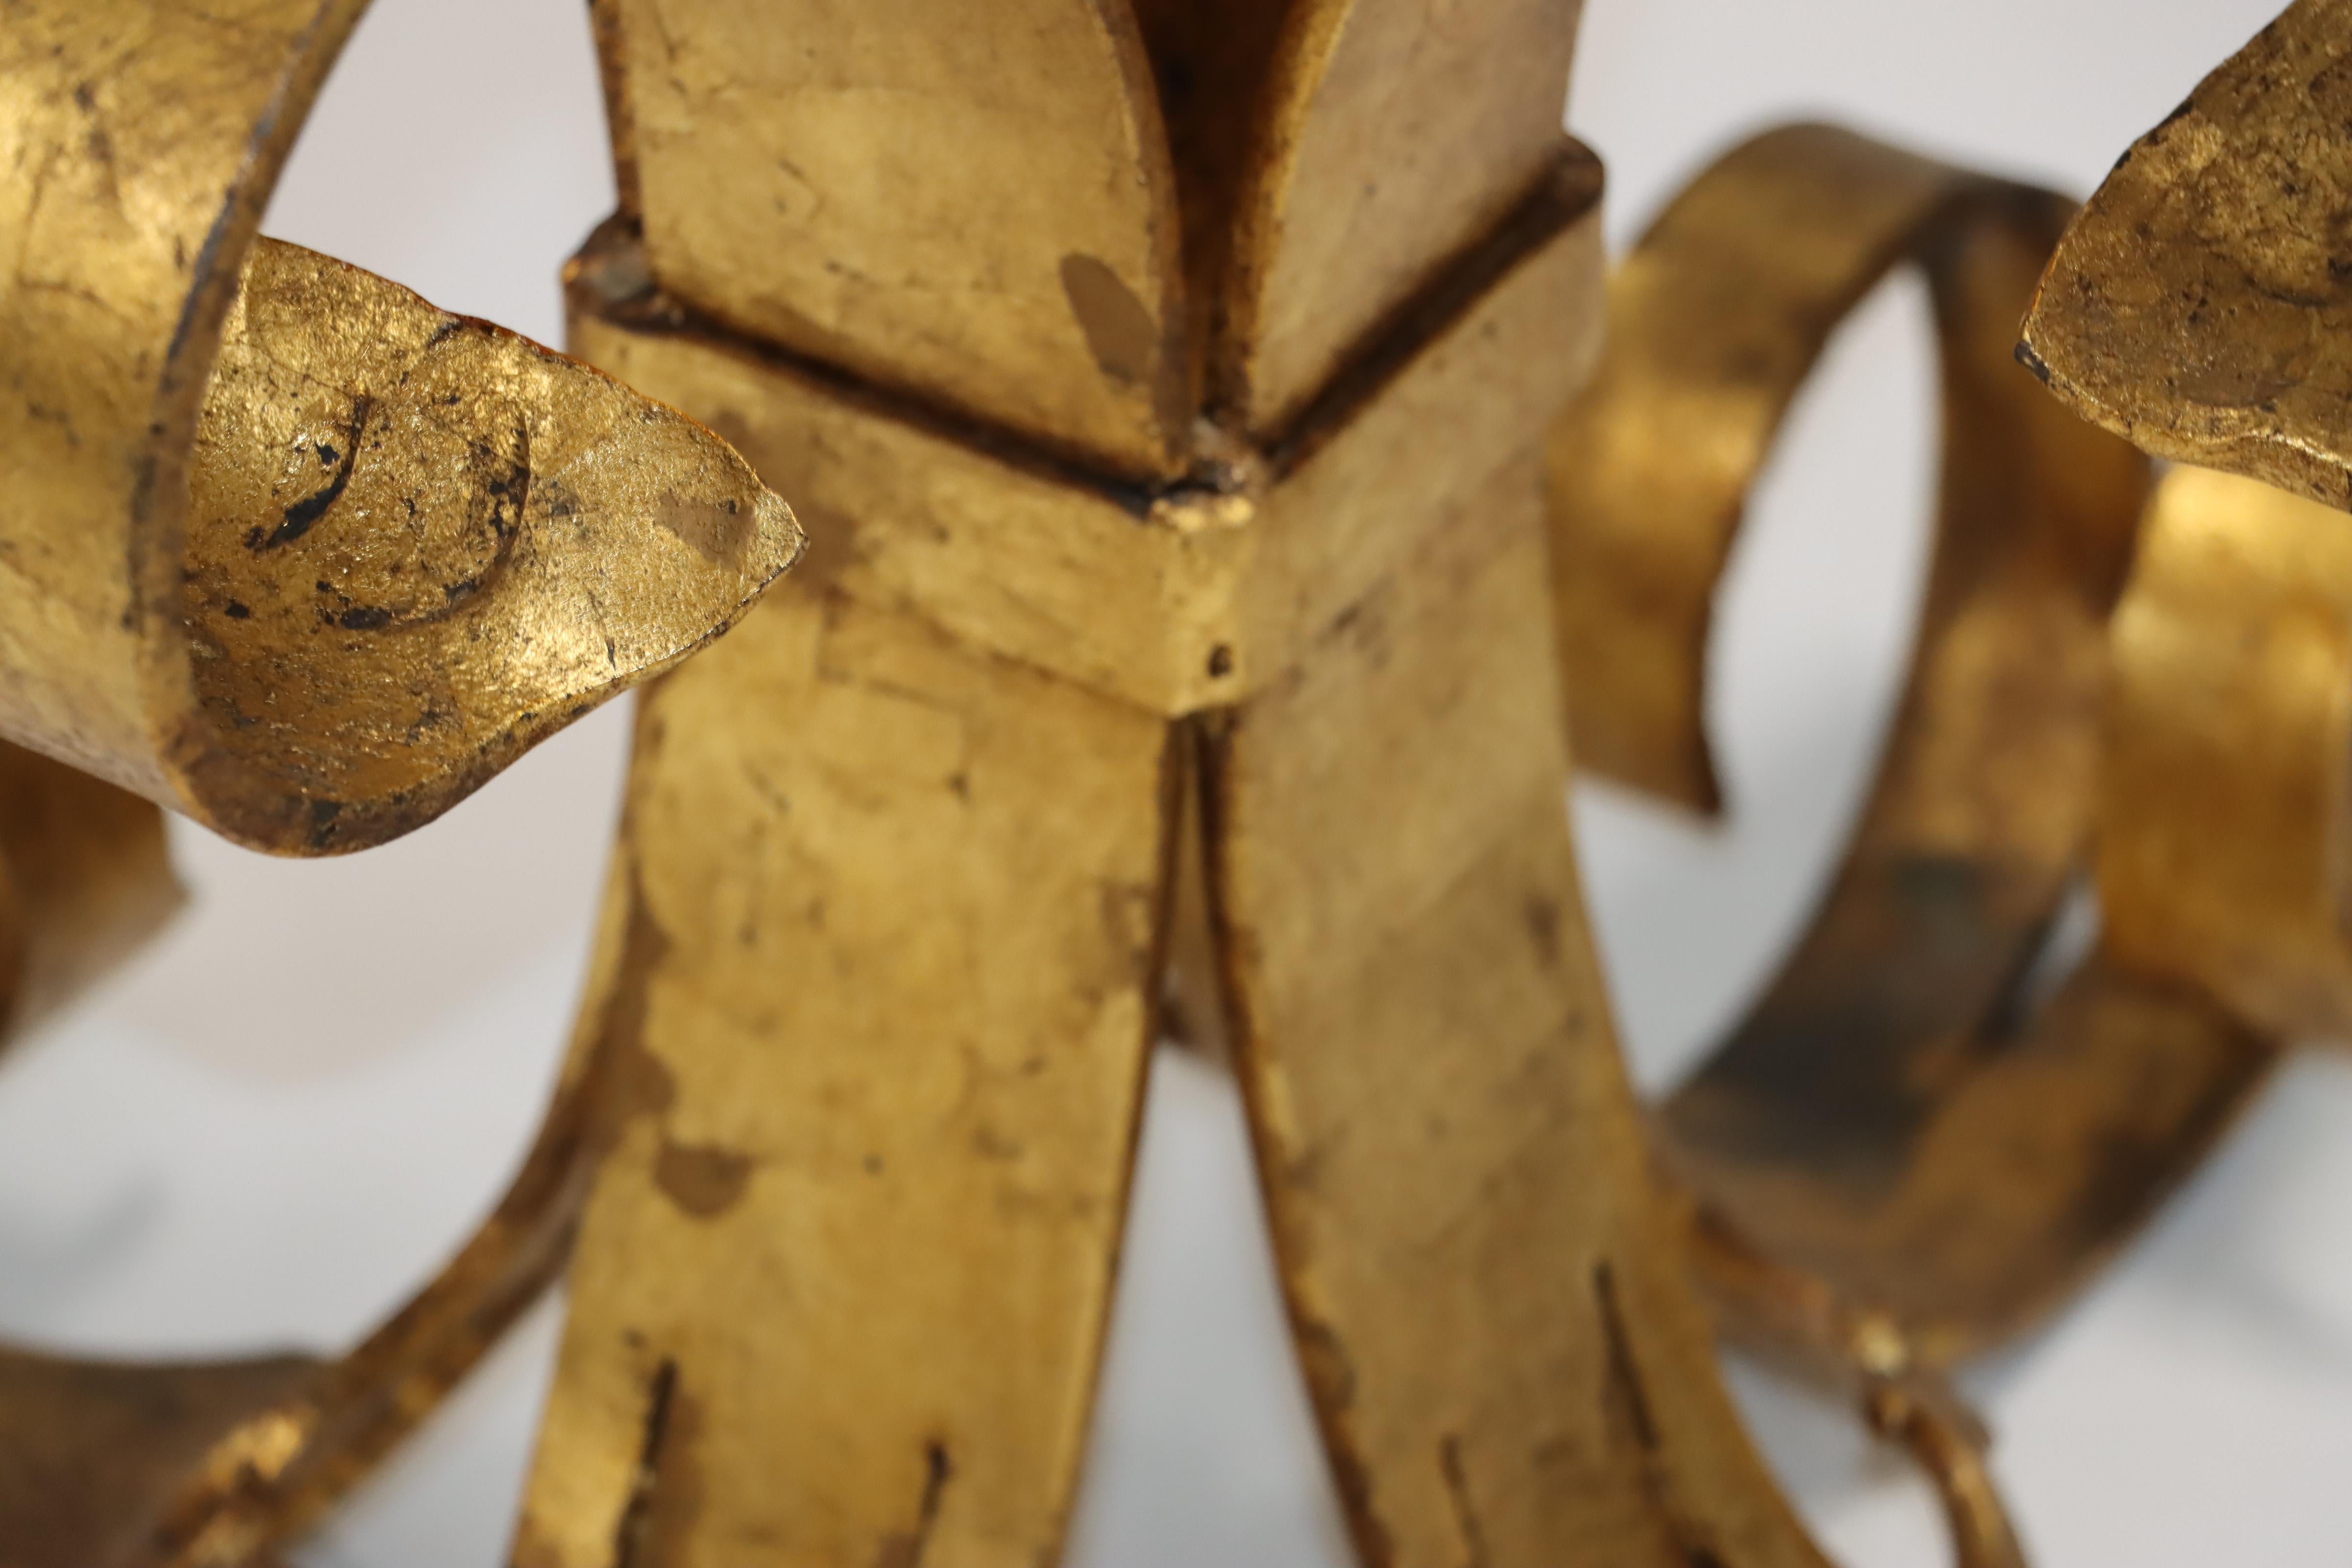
[2224, 822]
[417, 543]
[1901, 1154]
[316, 597]
[1392, 134]
[287, 548]
[1174, 602]
[1196, 583]
[863, 851]
[1493, 1319]
[1221, 198]
[971, 203]
[840, 1290]
[2200, 305]
[129, 188]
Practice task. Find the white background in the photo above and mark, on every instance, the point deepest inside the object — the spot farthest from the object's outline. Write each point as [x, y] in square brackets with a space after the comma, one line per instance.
[280, 1121]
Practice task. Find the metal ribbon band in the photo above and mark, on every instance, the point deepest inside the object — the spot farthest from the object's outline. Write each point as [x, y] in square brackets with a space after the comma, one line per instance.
[902, 846]
[1185, 599]
[85, 879]
[2199, 305]
[286, 548]
[215, 1465]
[1896, 1158]
[205, 1465]
[2195, 307]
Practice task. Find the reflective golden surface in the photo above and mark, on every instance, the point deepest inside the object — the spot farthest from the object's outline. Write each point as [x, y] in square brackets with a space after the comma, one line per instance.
[1389, 131]
[416, 543]
[1168, 389]
[284, 547]
[1932, 1153]
[972, 203]
[901, 1222]
[2227, 801]
[530, 546]
[841, 1289]
[1906, 1152]
[1894, 1158]
[2200, 304]
[1215, 205]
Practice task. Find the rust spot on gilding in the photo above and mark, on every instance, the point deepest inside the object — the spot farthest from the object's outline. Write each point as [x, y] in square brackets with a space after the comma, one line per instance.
[1543, 925]
[703, 1180]
[1118, 329]
[706, 1180]
[642, 1083]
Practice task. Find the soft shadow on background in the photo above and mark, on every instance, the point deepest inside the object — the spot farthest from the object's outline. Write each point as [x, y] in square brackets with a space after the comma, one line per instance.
[286, 1114]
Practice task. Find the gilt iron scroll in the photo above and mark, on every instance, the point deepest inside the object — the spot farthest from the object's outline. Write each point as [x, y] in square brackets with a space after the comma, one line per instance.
[1201, 597]
[285, 548]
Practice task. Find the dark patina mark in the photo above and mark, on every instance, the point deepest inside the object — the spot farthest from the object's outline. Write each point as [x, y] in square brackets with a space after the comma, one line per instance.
[1628, 1397]
[706, 1180]
[300, 517]
[1120, 330]
[905, 1549]
[1457, 1494]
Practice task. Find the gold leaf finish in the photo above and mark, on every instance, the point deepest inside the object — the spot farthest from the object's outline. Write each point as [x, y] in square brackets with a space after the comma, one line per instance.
[976, 630]
[1200, 588]
[969, 202]
[1391, 135]
[2228, 790]
[1175, 601]
[1489, 1302]
[2199, 305]
[417, 543]
[1716, 319]
[1902, 1153]
[1073, 218]
[841, 1291]
[138, 141]
[284, 547]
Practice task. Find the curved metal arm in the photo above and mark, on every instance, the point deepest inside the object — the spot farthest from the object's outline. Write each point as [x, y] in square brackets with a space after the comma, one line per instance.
[281, 545]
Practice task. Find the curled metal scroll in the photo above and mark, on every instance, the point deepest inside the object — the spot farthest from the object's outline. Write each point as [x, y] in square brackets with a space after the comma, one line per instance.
[1898, 1156]
[284, 547]
[1901, 1154]
[2228, 799]
[2198, 307]
[211, 1464]
[208, 1465]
